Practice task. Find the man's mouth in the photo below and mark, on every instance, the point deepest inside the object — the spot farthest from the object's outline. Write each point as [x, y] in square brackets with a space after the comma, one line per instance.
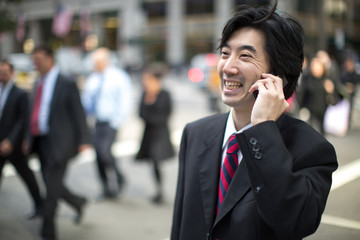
[231, 85]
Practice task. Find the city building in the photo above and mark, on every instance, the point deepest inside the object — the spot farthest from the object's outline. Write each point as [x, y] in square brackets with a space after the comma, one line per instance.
[167, 30]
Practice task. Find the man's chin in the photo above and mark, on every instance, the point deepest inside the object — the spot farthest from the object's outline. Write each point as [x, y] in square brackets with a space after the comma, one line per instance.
[236, 103]
[229, 102]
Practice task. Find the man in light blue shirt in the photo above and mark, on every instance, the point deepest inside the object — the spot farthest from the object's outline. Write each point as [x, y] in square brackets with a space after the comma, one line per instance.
[107, 97]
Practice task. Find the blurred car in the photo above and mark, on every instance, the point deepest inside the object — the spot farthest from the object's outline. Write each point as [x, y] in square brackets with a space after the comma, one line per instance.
[203, 73]
[74, 61]
[202, 70]
[25, 73]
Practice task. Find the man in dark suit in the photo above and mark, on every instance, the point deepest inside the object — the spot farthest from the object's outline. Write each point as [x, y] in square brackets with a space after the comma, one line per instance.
[254, 173]
[58, 132]
[13, 121]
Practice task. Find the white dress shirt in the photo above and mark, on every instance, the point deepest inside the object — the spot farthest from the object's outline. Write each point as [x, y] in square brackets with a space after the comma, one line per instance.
[4, 93]
[108, 96]
[230, 130]
[46, 97]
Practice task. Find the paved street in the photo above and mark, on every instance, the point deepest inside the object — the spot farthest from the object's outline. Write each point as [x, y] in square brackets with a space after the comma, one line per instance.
[133, 216]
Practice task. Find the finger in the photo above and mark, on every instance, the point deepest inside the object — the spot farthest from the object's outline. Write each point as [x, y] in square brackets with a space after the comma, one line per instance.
[261, 86]
[278, 82]
[270, 85]
[266, 83]
[254, 87]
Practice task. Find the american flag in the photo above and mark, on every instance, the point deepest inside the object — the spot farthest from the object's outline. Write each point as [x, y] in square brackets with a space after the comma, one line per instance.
[20, 27]
[85, 21]
[62, 21]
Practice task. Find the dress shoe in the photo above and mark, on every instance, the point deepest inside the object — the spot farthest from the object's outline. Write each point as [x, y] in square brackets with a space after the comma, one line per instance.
[158, 199]
[34, 214]
[80, 212]
[110, 194]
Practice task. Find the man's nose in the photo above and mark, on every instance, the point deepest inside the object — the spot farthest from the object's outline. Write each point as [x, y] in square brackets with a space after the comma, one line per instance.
[231, 66]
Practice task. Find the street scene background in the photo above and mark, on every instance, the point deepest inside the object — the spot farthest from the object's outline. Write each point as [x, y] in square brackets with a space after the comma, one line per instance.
[133, 215]
[184, 34]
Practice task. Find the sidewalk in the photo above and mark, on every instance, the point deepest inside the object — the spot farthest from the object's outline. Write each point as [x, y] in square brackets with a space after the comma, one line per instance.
[133, 216]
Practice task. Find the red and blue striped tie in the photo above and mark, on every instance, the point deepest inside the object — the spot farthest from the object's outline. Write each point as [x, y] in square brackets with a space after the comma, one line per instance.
[228, 169]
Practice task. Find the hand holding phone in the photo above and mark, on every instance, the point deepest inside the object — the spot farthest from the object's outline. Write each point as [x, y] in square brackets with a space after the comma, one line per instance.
[270, 101]
[256, 92]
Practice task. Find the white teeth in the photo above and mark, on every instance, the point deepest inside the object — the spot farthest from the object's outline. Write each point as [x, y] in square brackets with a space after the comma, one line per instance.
[232, 85]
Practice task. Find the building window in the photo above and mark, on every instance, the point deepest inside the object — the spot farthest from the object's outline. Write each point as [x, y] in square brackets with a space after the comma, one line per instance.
[253, 2]
[199, 7]
[155, 9]
[308, 6]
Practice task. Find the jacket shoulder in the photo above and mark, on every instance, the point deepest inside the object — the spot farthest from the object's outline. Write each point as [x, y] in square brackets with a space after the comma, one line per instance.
[296, 126]
[18, 93]
[301, 135]
[212, 120]
[66, 79]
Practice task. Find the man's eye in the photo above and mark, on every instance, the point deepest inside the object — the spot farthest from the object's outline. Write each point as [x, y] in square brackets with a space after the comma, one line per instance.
[245, 55]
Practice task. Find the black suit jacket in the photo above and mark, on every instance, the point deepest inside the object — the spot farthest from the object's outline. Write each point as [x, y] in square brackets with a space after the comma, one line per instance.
[67, 122]
[14, 118]
[278, 192]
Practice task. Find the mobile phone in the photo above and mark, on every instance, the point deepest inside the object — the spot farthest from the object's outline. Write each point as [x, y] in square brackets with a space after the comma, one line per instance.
[256, 92]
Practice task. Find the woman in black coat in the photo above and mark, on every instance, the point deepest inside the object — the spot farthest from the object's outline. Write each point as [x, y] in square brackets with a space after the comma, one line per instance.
[155, 109]
[316, 93]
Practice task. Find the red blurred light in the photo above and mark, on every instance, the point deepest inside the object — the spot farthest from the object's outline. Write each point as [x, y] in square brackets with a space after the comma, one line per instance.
[195, 75]
[211, 59]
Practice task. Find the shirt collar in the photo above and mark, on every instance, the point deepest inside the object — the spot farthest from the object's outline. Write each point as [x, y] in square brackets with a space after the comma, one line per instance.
[52, 74]
[230, 128]
[7, 87]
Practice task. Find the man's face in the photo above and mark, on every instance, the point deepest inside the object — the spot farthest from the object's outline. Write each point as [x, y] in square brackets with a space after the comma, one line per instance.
[349, 65]
[42, 62]
[5, 73]
[242, 61]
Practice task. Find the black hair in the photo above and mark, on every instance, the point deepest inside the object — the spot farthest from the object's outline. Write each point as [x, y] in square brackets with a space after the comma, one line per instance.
[156, 69]
[284, 40]
[44, 48]
[6, 62]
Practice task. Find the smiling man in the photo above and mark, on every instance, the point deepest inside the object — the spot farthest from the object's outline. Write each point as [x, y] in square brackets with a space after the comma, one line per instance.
[254, 173]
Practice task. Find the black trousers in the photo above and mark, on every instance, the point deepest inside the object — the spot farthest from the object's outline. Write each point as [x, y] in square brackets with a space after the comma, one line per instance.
[20, 162]
[110, 175]
[53, 172]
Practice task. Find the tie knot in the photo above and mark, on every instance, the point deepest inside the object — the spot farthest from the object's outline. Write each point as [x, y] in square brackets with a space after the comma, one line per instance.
[233, 144]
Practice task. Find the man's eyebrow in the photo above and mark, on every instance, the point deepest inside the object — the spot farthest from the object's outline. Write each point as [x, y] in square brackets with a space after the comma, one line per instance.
[243, 47]
[247, 47]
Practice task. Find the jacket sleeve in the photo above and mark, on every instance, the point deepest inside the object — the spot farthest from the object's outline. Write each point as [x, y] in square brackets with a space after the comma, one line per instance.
[290, 176]
[178, 207]
[78, 113]
[17, 133]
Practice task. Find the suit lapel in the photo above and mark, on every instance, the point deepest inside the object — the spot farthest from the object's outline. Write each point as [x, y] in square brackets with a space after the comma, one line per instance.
[56, 93]
[238, 188]
[240, 185]
[9, 99]
[209, 165]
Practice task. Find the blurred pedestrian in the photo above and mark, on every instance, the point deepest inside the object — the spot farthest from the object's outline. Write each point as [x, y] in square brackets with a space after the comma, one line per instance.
[350, 78]
[255, 172]
[13, 125]
[107, 97]
[58, 131]
[332, 72]
[155, 110]
[316, 93]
